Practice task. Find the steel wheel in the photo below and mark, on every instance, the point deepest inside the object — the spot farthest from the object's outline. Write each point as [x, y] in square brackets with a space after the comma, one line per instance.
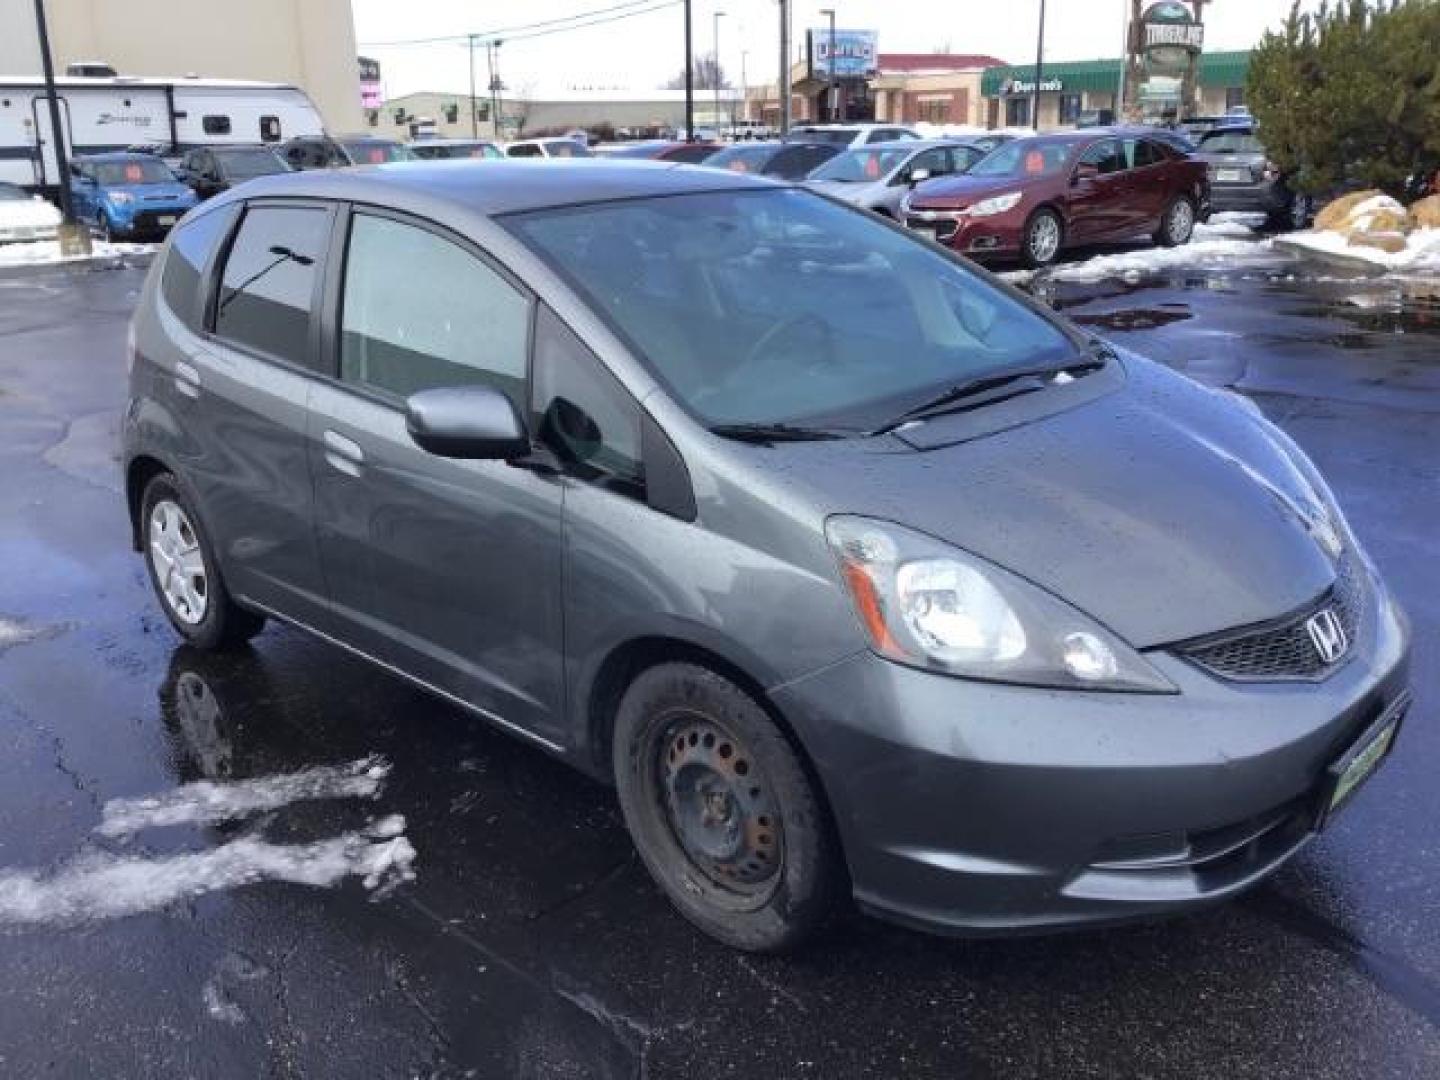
[178, 562]
[719, 806]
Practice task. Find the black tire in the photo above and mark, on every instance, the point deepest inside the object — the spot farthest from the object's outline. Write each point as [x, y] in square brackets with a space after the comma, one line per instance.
[1177, 224]
[223, 624]
[781, 886]
[106, 230]
[1297, 214]
[1036, 251]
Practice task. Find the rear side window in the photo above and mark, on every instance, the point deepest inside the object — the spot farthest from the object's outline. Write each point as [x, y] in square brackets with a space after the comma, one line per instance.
[421, 312]
[268, 286]
[1141, 153]
[795, 162]
[189, 252]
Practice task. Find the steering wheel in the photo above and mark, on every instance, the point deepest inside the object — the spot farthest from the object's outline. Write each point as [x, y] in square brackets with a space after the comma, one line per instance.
[824, 357]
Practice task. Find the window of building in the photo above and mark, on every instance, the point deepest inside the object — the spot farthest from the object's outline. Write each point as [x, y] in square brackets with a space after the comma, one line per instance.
[189, 251]
[215, 125]
[1017, 112]
[422, 312]
[452, 113]
[933, 108]
[1234, 97]
[268, 288]
[582, 412]
[1069, 108]
[269, 129]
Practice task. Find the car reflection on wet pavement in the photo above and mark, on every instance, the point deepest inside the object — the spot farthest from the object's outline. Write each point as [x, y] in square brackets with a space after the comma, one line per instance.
[530, 943]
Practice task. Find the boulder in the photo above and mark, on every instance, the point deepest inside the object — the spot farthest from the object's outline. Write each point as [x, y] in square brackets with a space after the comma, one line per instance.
[1393, 242]
[1333, 214]
[1426, 213]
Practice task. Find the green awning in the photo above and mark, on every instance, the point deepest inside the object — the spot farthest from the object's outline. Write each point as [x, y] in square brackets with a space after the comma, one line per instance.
[1100, 76]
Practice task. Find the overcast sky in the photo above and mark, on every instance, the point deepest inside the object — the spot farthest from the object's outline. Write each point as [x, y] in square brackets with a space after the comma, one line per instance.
[644, 51]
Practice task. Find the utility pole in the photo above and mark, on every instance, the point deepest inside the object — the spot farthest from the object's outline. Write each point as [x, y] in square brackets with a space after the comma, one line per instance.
[1119, 110]
[830, 69]
[493, 51]
[74, 239]
[715, 75]
[474, 120]
[1039, 70]
[689, 80]
[784, 84]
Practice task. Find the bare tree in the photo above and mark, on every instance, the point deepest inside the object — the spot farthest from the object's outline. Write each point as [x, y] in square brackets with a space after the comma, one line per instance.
[708, 76]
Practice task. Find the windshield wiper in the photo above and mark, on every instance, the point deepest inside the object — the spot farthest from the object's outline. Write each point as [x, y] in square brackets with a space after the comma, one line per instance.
[996, 387]
[773, 433]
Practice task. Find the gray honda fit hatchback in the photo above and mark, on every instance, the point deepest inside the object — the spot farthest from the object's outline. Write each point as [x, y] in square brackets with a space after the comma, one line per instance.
[854, 570]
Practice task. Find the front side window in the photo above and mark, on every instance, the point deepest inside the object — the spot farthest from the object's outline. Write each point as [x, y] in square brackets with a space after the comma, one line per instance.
[775, 305]
[189, 251]
[245, 164]
[422, 312]
[936, 162]
[1024, 157]
[861, 166]
[376, 152]
[1105, 155]
[582, 412]
[1140, 153]
[268, 287]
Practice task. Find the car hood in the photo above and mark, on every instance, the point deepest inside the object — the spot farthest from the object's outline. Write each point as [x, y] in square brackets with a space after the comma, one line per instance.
[861, 192]
[27, 213]
[951, 192]
[148, 192]
[1163, 509]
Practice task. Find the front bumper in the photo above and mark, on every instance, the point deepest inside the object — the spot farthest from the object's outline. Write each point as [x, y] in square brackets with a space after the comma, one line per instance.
[146, 221]
[996, 236]
[973, 808]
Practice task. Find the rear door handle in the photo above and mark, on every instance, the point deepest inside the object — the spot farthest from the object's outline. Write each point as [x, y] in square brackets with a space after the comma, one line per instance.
[187, 380]
[343, 455]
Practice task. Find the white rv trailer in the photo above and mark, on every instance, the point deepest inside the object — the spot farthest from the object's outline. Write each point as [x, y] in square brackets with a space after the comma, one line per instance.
[121, 112]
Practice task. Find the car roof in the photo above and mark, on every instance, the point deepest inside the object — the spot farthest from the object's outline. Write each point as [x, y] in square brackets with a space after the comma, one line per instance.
[477, 141]
[911, 144]
[117, 155]
[503, 187]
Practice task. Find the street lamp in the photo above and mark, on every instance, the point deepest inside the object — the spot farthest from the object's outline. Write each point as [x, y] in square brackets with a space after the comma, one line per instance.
[1039, 69]
[74, 237]
[715, 72]
[830, 67]
[689, 79]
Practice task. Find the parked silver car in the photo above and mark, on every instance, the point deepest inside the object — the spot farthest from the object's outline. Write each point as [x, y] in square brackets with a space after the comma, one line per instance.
[855, 571]
[877, 177]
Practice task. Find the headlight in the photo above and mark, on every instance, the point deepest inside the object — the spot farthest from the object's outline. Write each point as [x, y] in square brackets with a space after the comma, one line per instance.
[996, 204]
[120, 198]
[929, 605]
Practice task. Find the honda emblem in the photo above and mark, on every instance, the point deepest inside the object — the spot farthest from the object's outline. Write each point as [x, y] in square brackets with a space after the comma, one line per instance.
[1327, 634]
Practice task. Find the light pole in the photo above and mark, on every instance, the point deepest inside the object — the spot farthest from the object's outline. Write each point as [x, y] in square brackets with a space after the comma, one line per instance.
[1039, 70]
[493, 51]
[689, 81]
[474, 120]
[830, 68]
[784, 83]
[74, 240]
[715, 73]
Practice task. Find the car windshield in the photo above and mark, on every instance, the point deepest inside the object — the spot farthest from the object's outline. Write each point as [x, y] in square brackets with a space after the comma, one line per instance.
[861, 166]
[442, 151]
[138, 171]
[1230, 142]
[12, 192]
[374, 152]
[243, 164]
[776, 306]
[1023, 157]
[745, 159]
[838, 136]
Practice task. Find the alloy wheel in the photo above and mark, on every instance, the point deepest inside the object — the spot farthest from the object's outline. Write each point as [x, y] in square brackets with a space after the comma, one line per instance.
[1182, 221]
[1044, 238]
[178, 562]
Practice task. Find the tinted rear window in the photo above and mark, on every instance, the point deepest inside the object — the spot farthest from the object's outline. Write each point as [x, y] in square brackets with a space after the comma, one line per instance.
[269, 281]
[189, 251]
[1231, 142]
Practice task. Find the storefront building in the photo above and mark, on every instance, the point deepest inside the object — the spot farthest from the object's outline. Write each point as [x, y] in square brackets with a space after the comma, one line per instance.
[1082, 92]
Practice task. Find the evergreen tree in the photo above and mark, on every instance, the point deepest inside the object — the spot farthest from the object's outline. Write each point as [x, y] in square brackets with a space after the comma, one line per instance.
[1350, 95]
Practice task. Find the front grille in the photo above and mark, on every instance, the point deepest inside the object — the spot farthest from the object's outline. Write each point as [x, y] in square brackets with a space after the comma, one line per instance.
[1285, 652]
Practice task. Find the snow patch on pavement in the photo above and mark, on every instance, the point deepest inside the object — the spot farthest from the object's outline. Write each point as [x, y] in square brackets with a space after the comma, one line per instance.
[1134, 265]
[98, 885]
[1422, 249]
[47, 252]
[206, 802]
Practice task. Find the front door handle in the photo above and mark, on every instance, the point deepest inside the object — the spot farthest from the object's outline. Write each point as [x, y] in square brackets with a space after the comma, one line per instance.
[343, 455]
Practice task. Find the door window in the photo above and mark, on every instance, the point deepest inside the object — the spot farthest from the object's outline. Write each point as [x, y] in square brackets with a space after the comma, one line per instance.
[189, 251]
[936, 161]
[583, 413]
[1105, 155]
[1142, 153]
[422, 312]
[268, 287]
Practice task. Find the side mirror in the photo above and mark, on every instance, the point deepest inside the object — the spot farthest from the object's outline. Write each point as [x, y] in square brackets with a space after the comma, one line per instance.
[917, 175]
[469, 422]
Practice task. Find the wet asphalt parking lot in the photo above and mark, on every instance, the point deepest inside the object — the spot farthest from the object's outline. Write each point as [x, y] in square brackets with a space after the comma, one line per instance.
[530, 942]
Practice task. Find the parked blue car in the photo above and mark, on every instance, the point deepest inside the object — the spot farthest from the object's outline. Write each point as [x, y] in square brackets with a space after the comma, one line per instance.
[129, 196]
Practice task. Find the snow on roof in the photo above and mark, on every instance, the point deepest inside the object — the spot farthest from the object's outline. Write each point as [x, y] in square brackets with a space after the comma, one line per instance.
[121, 81]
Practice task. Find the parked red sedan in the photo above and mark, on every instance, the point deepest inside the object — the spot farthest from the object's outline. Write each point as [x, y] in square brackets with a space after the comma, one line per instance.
[1032, 197]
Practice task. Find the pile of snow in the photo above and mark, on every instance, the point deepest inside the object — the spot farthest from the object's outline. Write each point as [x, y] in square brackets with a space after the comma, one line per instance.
[1229, 224]
[46, 252]
[1421, 252]
[1135, 265]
